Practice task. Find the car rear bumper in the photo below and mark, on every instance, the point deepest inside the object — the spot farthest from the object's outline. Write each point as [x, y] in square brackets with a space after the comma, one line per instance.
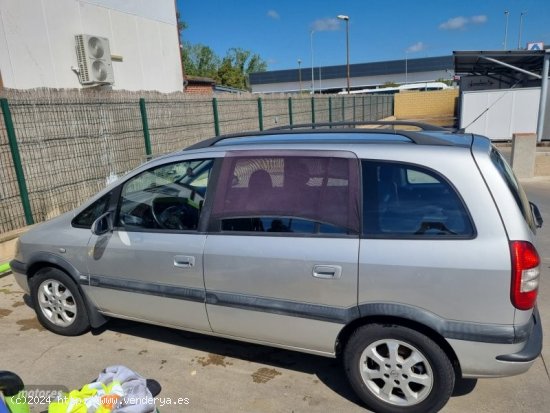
[533, 346]
[479, 359]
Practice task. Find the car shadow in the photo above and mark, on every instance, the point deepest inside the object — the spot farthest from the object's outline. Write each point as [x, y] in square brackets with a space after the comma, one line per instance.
[327, 370]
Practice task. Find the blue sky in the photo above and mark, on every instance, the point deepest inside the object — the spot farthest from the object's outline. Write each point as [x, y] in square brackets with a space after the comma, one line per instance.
[279, 30]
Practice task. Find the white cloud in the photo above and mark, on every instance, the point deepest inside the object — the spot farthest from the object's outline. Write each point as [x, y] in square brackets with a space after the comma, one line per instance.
[273, 14]
[460, 22]
[479, 19]
[325, 25]
[417, 47]
[454, 23]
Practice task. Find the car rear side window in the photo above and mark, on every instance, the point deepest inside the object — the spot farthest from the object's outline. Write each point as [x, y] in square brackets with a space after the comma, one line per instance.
[515, 188]
[408, 201]
[288, 194]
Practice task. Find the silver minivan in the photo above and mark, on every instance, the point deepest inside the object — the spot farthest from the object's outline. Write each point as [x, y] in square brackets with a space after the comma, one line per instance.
[409, 254]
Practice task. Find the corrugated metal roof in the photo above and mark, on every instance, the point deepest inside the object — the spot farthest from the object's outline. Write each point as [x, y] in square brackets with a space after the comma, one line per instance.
[389, 67]
[473, 62]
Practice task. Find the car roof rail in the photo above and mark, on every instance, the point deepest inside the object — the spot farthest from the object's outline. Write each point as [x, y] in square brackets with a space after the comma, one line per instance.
[393, 123]
[417, 137]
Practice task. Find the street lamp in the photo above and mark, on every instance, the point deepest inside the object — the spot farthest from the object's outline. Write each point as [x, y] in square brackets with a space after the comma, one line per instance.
[346, 18]
[523, 13]
[300, 74]
[507, 14]
[406, 67]
[312, 71]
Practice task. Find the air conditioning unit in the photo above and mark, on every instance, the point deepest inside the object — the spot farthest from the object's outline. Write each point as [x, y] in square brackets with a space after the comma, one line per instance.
[94, 60]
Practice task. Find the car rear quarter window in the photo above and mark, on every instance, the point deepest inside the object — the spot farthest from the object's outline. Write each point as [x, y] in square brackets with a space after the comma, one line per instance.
[290, 194]
[409, 201]
[513, 185]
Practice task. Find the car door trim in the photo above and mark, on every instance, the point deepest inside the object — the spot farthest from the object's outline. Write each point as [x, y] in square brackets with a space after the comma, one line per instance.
[141, 287]
[450, 329]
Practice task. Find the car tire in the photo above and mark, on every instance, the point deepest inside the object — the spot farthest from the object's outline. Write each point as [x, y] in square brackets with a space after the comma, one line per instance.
[58, 303]
[395, 369]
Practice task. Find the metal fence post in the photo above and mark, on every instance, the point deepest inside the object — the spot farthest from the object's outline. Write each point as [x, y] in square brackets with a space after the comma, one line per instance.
[354, 109]
[330, 109]
[260, 114]
[343, 108]
[19, 173]
[145, 124]
[363, 108]
[216, 116]
[290, 120]
[312, 109]
[370, 108]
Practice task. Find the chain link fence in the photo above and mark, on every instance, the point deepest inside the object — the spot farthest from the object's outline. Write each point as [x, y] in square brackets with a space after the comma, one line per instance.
[58, 148]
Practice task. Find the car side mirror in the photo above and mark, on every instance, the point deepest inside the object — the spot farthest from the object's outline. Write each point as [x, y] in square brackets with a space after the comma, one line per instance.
[536, 214]
[103, 224]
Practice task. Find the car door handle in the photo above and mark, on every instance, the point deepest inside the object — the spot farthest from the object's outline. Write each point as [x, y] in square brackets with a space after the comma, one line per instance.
[327, 271]
[184, 261]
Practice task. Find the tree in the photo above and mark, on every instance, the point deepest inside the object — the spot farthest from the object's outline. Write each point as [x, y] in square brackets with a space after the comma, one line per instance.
[232, 70]
[200, 60]
[237, 65]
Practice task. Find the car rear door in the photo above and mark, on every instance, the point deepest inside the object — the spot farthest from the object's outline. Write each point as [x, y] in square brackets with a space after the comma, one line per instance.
[281, 256]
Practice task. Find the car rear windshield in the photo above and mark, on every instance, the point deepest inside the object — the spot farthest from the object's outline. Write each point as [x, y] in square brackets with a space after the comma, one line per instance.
[515, 188]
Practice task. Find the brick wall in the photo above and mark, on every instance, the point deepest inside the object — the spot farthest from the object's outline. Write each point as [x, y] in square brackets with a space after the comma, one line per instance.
[199, 89]
[422, 105]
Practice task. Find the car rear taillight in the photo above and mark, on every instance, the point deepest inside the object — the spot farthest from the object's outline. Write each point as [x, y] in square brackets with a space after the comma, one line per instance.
[525, 274]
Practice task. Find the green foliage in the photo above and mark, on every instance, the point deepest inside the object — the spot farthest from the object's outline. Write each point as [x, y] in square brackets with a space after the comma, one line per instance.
[237, 65]
[231, 70]
[200, 60]
[448, 82]
[389, 83]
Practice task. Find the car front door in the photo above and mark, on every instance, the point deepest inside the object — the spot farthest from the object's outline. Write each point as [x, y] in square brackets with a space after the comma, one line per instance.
[150, 266]
[281, 258]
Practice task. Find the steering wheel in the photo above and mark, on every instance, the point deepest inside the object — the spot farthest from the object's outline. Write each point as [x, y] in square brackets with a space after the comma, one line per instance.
[171, 217]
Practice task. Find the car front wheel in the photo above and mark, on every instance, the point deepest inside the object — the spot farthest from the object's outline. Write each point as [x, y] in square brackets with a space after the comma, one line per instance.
[58, 303]
[395, 369]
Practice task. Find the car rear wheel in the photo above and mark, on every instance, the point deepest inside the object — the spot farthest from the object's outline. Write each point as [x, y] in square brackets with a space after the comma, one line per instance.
[58, 303]
[395, 369]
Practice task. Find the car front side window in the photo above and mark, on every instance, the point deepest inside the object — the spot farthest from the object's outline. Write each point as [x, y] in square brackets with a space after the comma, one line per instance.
[167, 197]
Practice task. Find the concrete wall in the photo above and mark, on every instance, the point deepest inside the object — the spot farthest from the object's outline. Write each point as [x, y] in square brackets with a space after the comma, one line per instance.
[37, 46]
[431, 104]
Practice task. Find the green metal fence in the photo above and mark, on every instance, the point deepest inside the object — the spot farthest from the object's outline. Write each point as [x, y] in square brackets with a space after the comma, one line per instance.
[57, 150]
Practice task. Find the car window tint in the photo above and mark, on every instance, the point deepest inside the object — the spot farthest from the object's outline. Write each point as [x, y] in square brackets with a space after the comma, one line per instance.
[401, 200]
[298, 194]
[280, 225]
[87, 217]
[168, 197]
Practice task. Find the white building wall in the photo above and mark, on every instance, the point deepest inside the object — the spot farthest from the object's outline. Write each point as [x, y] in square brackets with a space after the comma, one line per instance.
[37, 46]
[510, 111]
